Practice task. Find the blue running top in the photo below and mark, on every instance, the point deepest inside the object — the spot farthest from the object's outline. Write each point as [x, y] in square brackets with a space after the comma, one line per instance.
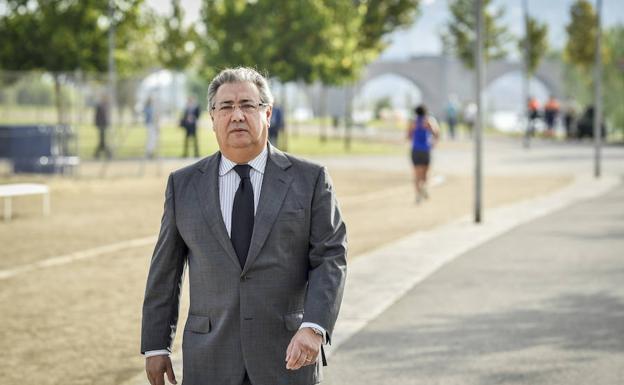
[421, 139]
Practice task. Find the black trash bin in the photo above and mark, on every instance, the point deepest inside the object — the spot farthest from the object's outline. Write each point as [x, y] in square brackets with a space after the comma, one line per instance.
[6, 133]
[40, 149]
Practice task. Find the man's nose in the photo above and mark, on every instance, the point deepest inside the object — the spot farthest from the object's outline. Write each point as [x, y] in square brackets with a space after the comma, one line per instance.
[237, 115]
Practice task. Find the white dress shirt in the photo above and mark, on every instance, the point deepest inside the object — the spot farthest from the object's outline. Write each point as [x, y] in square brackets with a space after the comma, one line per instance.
[228, 184]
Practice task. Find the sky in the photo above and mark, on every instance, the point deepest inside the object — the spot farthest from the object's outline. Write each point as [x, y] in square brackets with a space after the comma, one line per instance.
[422, 38]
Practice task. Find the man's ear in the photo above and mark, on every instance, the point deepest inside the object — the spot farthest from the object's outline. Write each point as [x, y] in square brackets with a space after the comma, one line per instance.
[269, 112]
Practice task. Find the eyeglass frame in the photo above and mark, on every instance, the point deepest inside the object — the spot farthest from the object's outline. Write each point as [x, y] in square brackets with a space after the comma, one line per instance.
[233, 107]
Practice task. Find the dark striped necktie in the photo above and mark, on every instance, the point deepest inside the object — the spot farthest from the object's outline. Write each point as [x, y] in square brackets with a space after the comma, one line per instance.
[242, 214]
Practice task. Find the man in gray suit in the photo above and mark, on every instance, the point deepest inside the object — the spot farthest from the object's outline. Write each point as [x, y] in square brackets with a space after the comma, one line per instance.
[265, 245]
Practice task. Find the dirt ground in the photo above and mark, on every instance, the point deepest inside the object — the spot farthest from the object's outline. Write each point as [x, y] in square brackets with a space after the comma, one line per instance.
[79, 323]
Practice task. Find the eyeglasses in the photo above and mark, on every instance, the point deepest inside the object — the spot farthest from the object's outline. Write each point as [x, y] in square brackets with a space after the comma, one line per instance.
[247, 108]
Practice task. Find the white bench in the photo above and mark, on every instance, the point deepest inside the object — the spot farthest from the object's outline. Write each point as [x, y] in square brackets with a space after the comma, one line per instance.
[8, 191]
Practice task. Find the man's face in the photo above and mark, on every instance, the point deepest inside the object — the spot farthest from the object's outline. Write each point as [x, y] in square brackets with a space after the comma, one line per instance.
[239, 119]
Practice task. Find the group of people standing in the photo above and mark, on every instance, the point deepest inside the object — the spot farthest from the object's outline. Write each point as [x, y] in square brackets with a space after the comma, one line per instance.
[550, 113]
[577, 125]
[151, 118]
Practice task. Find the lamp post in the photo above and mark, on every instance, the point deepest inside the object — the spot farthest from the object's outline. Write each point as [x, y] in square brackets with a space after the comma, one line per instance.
[527, 73]
[598, 94]
[479, 68]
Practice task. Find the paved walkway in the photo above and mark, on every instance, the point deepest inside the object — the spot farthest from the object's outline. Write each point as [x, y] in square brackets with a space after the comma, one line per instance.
[540, 304]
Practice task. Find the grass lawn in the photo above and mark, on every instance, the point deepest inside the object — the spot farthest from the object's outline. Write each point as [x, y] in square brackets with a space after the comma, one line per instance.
[129, 142]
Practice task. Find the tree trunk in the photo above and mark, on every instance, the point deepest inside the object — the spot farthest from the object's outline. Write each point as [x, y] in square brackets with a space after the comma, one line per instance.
[323, 126]
[348, 118]
[60, 106]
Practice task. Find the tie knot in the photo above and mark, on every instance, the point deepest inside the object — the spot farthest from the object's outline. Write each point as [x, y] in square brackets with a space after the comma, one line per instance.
[242, 170]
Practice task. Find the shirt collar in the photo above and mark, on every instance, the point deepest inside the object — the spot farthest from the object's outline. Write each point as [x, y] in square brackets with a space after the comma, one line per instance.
[258, 163]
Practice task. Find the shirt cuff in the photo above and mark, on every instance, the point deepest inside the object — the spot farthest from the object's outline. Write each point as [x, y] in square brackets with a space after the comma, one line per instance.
[151, 353]
[316, 327]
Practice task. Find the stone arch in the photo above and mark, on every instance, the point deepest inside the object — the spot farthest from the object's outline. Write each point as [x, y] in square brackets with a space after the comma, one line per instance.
[417, 71]
[362, 84]
[439, 76]
[548, 73]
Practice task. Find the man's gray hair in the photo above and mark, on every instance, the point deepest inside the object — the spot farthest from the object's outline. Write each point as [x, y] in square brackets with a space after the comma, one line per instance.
[240, 75]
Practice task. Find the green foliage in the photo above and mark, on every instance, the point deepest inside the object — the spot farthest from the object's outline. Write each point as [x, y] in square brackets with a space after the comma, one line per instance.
[537, 38]
[461, 31]
[577, 83]
[136, 46]
[580, 48]
[62, 36]
[322, 40]
[381, 17]
[177, 47]
[614, 77]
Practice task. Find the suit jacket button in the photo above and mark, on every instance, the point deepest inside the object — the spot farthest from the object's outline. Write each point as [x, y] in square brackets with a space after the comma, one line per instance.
[243, 278]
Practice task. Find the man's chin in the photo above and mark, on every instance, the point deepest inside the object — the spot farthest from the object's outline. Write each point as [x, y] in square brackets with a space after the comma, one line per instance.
[240, 143]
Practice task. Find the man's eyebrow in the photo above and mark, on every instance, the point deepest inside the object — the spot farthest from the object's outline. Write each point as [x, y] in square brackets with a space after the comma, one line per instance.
[241, 101]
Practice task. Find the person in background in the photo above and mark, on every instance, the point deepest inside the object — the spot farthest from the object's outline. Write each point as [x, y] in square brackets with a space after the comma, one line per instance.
[423, 133]
[570, 116]
[470, 117]
[189, 119]
[101, 121]
[532, 116]
[451, 116]
[277, 124]
[551, 112]
[150, 116]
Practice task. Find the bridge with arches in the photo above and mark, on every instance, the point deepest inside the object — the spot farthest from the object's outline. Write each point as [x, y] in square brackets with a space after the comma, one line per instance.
[437, 77]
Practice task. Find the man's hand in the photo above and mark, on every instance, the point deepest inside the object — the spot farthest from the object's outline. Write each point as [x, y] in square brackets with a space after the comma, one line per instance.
[303, 349]
[156, 366]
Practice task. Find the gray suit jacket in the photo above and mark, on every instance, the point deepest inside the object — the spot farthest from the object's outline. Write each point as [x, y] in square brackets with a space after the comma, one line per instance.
[243, 319]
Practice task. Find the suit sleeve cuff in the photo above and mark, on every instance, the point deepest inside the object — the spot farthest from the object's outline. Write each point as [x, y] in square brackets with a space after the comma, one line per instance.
[317, 329]
[162, 352]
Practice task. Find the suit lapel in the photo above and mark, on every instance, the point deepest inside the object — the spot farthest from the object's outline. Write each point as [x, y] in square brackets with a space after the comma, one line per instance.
[275, 185]
[207, 189]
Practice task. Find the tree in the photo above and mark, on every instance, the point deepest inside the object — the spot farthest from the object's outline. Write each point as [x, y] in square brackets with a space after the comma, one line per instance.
[580, 48]
[614, 77]
[580, 56]
[537, 41]
[177, 45]
[460, 33]
[322, 40]
[382, 17]
[62, 36]
[579, 51]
